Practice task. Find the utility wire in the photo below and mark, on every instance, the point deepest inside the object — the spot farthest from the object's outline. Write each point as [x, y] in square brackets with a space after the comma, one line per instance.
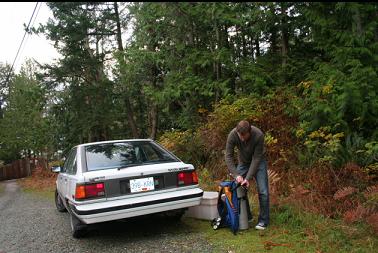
[36, 14]
[28, 34]
[22, 41]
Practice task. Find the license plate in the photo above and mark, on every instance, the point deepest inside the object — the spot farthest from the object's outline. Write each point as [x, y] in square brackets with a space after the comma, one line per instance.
[142, 184]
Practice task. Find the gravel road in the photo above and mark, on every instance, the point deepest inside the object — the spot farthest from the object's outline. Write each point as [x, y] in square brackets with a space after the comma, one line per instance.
[30, 223]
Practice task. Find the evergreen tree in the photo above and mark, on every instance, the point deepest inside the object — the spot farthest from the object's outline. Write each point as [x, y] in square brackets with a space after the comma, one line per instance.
[24, 127]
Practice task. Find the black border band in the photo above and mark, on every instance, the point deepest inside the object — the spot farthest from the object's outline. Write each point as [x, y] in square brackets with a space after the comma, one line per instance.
[129, 206]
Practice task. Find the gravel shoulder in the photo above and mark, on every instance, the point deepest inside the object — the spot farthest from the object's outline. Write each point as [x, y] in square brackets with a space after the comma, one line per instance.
[30, 223]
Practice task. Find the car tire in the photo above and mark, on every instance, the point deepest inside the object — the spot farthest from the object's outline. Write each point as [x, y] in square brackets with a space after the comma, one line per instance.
[59, 203]
[78, 228]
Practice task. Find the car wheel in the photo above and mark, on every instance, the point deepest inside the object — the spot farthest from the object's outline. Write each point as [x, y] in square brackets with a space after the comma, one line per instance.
[78, 228]
[59, 203]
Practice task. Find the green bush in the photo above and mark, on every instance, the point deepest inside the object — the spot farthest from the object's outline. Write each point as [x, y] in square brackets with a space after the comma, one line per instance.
[204, 146]
[227, 113]
[322, 145]
[186, 145]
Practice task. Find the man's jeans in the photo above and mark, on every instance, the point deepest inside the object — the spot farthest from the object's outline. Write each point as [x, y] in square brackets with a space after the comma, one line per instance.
[261, 178]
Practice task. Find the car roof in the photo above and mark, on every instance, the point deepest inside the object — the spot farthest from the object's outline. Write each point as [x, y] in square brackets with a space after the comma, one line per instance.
[113, 141]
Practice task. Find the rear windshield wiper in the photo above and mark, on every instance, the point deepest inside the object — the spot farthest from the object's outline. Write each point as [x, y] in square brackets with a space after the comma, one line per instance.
[130, 165]
[160, 161]
[146, 162]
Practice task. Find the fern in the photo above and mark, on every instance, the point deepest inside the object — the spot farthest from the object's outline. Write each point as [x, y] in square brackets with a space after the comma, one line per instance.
[371, 191]
[372, 220]
[371, 195]
[354, 215]
[369, 209]
[273, 176]
[350, 216]
[344, 192]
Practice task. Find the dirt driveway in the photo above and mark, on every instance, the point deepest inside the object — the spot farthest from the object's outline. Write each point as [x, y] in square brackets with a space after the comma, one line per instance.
[29, 223]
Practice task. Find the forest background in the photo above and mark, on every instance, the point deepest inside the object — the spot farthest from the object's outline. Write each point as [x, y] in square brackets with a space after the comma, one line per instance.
[304, 73]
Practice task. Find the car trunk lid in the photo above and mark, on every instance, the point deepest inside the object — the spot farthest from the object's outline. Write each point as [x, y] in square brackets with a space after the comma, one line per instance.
[160, 176]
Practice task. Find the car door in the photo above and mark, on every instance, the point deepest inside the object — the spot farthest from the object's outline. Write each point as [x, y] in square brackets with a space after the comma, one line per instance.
[61, 178]
[64, 176]
[71, 177]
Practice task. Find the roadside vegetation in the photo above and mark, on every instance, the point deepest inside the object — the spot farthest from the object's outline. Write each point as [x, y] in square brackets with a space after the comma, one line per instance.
[304, 73]
[291, 231]
[348, 192]
[41, 183]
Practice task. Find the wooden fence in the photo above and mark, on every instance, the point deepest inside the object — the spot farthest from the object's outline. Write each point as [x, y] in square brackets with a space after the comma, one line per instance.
[21, 168]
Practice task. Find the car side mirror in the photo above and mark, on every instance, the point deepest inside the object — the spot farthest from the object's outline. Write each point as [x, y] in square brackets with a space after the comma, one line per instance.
[56, 169]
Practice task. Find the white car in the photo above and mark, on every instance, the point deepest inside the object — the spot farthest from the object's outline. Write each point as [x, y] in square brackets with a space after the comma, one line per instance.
[110, 180]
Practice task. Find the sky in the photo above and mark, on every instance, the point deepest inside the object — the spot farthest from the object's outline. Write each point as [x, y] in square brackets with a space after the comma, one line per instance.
[13, 16]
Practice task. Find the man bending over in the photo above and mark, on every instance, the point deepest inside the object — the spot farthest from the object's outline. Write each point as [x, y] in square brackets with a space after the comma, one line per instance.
[251, 163]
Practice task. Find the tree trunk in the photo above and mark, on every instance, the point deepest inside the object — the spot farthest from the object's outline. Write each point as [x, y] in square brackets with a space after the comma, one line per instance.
[27, 165]
[376, 17]
[154, 121]
[221, 38]
[129, 110]
[257, 47]
[273, 33]
[357, 22]
[47, 162]
[130, 118]
[119, 34]
[153, 113]
[1, 108]
[273, 40]
[90, 137]
[285, 35]
[244, 50]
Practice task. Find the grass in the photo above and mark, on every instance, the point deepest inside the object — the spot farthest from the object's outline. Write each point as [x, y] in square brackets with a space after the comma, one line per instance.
[38, 186]
[43, 193]
[291, 231]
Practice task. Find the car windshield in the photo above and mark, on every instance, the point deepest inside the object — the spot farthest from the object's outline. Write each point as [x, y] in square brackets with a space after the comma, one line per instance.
[125, 154]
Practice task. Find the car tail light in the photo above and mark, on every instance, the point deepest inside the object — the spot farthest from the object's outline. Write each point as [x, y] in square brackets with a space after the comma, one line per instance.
[195, 177]
[187, 178]
[89, 191]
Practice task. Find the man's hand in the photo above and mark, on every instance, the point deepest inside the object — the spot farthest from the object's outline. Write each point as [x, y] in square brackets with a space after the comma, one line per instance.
[245, 182]
[239, 179]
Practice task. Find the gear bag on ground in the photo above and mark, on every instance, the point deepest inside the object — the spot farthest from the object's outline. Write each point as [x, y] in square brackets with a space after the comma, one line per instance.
[228, 207]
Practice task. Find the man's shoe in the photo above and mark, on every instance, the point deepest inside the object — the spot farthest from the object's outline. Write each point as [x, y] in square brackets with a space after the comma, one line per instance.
[260, 226]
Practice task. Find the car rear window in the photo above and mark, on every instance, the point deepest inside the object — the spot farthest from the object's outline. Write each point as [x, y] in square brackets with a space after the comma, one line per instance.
[125, 154]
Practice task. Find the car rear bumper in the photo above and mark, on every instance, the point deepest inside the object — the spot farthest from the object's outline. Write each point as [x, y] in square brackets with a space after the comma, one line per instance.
[136, 206]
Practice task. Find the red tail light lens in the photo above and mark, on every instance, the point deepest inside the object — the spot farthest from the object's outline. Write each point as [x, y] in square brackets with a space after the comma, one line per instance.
[89, 191]
[187, 178]
[195, 177]
[80, 192]
[180, 178]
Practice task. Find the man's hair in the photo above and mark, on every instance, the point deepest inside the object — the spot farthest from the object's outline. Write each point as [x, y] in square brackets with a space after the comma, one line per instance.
[243, 127]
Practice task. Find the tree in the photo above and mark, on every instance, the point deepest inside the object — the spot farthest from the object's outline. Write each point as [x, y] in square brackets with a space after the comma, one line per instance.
[5, 78]
[345, 82]
[24, 126]
[83, 33]
[181, 59]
